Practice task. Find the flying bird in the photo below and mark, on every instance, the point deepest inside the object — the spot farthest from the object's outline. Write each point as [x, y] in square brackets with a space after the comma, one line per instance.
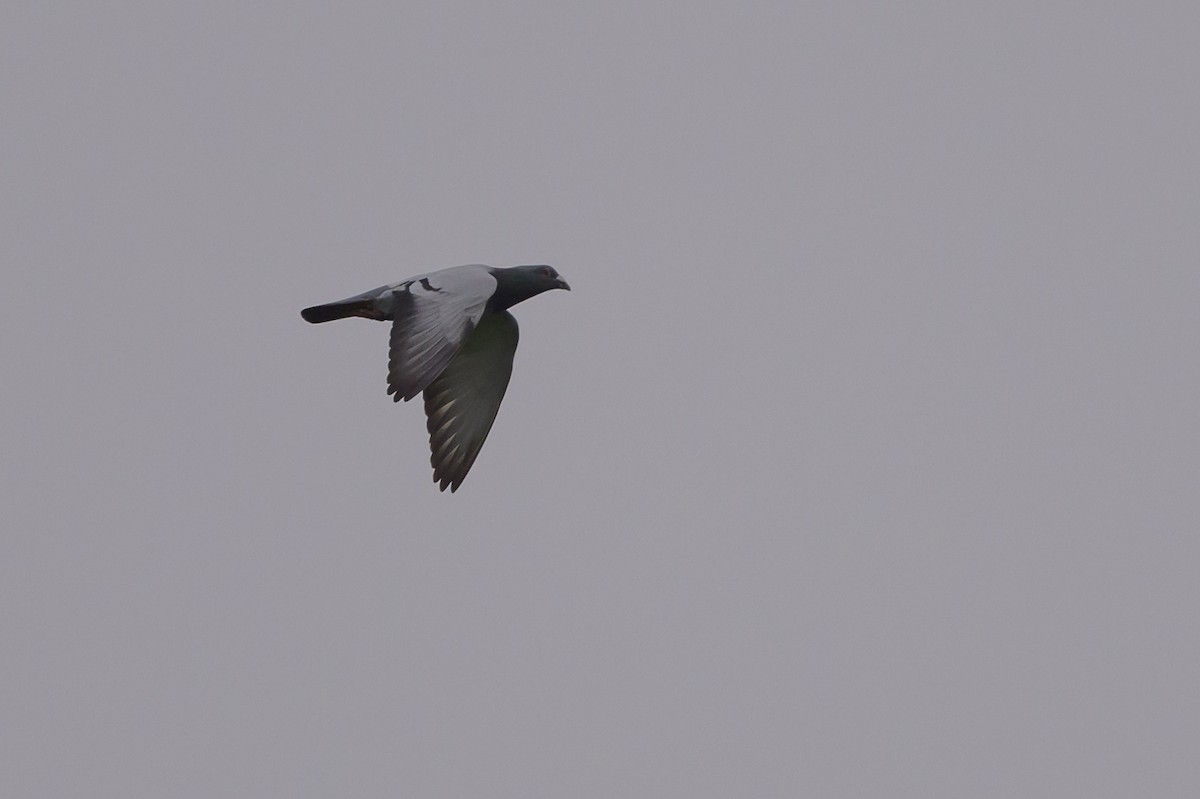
[453, 340]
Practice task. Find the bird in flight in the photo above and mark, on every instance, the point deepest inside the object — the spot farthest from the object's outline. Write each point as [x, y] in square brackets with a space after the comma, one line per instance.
[452, 339]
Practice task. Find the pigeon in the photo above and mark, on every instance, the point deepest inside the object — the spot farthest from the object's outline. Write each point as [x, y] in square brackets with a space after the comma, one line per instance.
[453, 340]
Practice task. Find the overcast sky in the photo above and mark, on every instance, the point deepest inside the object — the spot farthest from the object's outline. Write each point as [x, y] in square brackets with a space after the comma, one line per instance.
[862, 460]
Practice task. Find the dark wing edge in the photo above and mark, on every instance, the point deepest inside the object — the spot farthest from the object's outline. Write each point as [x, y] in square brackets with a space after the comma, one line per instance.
[461, 404]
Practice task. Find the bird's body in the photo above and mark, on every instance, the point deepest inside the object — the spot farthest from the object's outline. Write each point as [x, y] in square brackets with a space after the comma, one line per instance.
[452, 339]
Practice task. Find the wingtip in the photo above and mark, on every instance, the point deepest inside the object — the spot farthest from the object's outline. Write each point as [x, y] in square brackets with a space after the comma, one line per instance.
[444, 482]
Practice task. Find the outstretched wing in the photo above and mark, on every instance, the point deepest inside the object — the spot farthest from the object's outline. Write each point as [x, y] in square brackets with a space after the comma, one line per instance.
[462, 402]
[432, 315]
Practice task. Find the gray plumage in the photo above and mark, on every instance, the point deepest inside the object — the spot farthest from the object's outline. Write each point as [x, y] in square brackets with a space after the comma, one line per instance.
[453, 340]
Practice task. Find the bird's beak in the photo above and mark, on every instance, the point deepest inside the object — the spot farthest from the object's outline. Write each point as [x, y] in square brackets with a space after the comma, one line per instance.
[562, 284]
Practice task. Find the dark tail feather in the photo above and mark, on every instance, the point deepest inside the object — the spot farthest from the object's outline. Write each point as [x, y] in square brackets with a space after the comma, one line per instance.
[336, 310]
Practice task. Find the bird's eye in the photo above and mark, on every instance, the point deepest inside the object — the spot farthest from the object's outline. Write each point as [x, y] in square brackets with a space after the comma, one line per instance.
[546, 271]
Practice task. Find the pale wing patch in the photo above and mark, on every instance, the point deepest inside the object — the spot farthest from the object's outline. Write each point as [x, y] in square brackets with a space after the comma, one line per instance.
[432, 315]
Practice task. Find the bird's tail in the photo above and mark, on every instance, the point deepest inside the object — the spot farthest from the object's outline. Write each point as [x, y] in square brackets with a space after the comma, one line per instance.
[338, 310]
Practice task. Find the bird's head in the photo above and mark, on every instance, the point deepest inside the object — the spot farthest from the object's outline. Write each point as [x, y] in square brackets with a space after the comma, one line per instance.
[542, 276]
[517, 283]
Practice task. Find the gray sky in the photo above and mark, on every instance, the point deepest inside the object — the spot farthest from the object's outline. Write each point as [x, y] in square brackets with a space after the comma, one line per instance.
[861, 461]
